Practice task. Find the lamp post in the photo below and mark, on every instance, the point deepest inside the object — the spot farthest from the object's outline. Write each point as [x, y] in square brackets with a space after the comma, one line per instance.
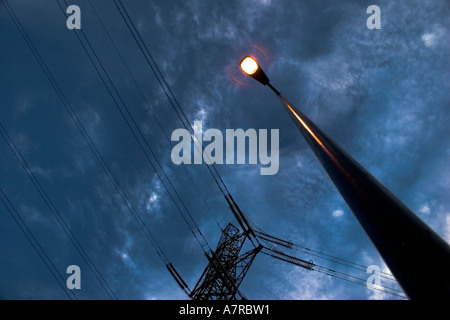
[418, 258]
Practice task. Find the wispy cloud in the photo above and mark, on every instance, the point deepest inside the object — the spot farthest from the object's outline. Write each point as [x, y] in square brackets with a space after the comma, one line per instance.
[338, 213]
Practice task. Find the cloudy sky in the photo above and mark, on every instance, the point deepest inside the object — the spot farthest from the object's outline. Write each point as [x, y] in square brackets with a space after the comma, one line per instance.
[381, 94]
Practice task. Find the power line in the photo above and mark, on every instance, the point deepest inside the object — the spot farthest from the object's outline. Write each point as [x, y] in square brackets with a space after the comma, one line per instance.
[80, 127]
[268, 240]
[166, 88]
[173, 101]
[30, 174]
[55, 211]
[328, 271]
[362, 283]
[344, 262]
[132, 210]
[35, 243]
[317, 253]
[147, 104]
[202, 242]
[325, 256]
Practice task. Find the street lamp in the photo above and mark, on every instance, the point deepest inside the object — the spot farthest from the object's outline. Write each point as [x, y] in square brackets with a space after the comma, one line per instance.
[251, 67]
[418, 258]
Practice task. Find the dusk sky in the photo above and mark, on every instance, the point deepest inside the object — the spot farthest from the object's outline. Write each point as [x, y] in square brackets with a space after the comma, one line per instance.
[382, 94]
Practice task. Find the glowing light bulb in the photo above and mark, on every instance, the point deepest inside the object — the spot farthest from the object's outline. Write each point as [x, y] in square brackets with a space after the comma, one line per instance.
[249, 65]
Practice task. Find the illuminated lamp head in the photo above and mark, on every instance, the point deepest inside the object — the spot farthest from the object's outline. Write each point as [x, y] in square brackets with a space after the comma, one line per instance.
[251, 67]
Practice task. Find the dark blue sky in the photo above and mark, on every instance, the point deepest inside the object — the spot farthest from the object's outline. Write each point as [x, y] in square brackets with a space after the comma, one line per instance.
[381, 94]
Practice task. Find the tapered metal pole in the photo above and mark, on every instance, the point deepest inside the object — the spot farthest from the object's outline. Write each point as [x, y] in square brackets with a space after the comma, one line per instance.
[418, 258]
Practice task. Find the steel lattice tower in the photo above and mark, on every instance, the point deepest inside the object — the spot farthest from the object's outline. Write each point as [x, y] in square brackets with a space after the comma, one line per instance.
[226, 268]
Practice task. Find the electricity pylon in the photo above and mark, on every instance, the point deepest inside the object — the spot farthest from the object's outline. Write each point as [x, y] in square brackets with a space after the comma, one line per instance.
[227, 267]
